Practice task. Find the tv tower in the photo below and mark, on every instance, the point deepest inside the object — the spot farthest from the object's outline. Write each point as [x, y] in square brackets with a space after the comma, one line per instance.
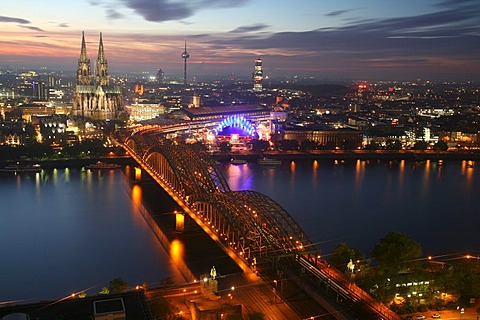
[185, 56]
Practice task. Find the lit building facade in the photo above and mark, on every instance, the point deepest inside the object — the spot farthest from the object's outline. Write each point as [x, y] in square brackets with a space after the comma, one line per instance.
[94, 96]
[145, 111]
[258, 76]
[338, 138]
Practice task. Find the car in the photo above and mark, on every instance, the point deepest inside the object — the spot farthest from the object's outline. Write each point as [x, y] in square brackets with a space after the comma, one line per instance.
[436, 316]
[420, 317]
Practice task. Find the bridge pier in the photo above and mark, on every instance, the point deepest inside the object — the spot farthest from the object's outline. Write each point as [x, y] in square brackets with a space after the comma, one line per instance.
[179, 222]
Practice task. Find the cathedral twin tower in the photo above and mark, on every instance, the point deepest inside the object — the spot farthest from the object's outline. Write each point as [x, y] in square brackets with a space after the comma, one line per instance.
[94, 97]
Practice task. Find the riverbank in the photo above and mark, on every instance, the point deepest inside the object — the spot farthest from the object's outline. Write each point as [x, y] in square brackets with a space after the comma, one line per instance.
[250, 156]
[412, 155]
[72, 162]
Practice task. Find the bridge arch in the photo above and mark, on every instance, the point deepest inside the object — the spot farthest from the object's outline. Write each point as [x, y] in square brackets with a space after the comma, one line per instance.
[136, 144]
[163, 168]
[251, 223]
[190, 170]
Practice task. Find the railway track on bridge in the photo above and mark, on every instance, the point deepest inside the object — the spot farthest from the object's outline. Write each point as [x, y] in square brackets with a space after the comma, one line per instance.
[251, 228]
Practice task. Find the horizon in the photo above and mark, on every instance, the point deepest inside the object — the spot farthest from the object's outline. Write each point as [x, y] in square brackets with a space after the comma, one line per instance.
[436, 40]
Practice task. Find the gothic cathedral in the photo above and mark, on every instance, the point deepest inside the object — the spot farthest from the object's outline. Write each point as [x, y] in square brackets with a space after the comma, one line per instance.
[94, 97]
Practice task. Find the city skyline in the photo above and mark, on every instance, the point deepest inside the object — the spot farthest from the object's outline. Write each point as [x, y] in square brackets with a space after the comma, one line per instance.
[374, 40]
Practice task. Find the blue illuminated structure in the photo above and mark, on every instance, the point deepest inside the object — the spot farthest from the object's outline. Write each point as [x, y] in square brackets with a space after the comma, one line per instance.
[236, 122]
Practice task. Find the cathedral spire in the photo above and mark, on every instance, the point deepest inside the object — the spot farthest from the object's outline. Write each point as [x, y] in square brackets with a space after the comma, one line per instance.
[83, 53]
[84, 74]
[101, 54]
[101, 66]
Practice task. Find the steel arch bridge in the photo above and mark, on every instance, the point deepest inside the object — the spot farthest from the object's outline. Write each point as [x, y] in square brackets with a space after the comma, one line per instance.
[249, 223]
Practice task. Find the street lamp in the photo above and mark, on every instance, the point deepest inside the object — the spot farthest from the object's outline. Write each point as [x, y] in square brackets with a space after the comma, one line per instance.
[275, 292]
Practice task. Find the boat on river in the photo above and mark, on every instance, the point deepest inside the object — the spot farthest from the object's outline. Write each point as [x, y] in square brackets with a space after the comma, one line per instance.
[269, 161]
[238, 161]
[16, 168]
[99, 165]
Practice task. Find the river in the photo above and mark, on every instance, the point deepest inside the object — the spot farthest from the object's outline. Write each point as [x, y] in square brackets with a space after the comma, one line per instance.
[69, 229]
[360, 202]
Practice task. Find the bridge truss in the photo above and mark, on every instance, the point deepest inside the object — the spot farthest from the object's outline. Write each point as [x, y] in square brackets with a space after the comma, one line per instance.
[250, 223]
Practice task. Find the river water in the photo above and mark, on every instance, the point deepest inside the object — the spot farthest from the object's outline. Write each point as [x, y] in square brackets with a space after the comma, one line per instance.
[359, 202]
[71, 229]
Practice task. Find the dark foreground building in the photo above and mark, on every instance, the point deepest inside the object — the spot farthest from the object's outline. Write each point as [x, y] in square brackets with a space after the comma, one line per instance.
[126, 306]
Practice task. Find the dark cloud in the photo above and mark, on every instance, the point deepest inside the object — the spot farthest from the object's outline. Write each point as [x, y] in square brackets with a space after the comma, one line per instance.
[446, 39]
[32, 28]
[159, 10]
[63, 25]
[250, 28]
[15, 20]
[456, 3]
[336, 13]
[167, 10]
[200, 35]
[113, 14]
[94, 3]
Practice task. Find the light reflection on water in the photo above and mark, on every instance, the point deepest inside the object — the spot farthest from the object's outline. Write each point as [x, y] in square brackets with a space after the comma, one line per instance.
[64, 230]
[359, 202]
[68, 229]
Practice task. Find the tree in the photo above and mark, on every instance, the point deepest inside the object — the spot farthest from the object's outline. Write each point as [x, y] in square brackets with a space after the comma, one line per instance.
[308, 145]
[35, 150]
[162, 308]
[330, 145]
[342, 254]
[259, 145]
[117, 285]
[225, 147]
[395, 250]
[287, 144]
[393, 144]
[440, 146]
[30, 133]
[372, 146]
[420, 145]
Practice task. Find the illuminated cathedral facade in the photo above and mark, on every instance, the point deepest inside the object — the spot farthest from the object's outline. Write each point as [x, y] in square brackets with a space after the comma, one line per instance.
[94, 96]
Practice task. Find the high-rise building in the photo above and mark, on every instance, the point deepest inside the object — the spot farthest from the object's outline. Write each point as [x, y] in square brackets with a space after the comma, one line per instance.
[94, 96]
[257, 75]
[160, 76]
[196, 100]
[39, 90]
[185, 56]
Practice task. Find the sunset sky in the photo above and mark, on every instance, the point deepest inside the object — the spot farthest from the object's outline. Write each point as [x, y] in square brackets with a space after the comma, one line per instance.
[370, 39]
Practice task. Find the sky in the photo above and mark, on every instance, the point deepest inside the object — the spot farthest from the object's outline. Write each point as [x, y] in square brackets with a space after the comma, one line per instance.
[341, 39]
